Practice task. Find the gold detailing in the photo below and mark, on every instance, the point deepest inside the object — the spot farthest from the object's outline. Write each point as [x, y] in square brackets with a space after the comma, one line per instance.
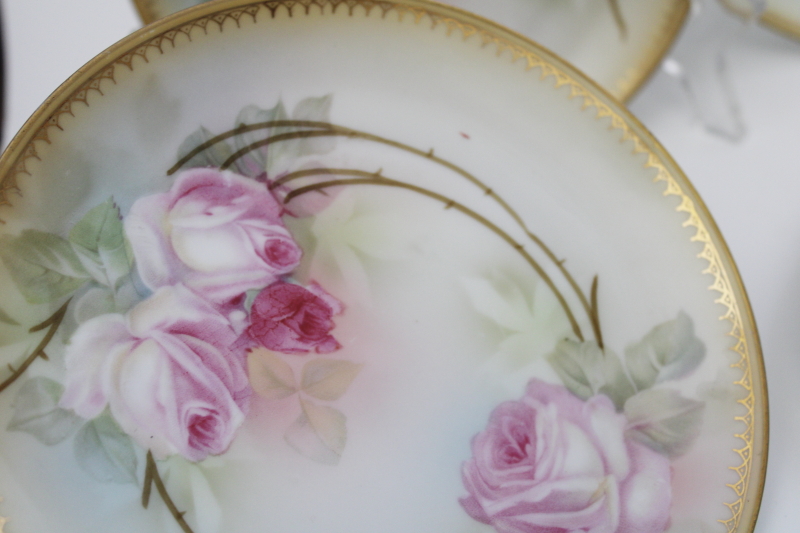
[771, 17]
[623, 89]
[88, 83]
[634, 77]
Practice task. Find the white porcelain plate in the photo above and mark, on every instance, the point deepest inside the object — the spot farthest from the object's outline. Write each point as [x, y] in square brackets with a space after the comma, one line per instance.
[361, 266]
[618, 43]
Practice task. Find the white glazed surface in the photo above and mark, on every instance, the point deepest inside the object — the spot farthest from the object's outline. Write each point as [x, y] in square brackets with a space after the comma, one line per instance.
[742, 235]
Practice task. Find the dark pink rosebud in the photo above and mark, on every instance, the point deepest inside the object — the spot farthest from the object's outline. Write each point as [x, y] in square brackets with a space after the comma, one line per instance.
[292, 319]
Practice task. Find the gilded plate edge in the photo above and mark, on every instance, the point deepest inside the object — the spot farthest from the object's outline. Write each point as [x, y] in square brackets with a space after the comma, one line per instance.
[624, 88]
[772, 18]
[727, 281]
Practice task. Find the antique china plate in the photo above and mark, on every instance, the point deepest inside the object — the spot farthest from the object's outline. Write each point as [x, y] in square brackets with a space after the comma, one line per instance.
[359, 266]
[618, 50]
[781, 15]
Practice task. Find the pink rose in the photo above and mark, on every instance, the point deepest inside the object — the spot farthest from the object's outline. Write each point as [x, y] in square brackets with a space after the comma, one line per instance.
[552, 463]
[169, 371]
[292, 319]
[218, 233]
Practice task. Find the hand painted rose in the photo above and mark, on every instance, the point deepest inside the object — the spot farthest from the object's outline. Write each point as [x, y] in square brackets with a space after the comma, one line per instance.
[292, 319]
[552, 463]
[169, 372]
[218, 233]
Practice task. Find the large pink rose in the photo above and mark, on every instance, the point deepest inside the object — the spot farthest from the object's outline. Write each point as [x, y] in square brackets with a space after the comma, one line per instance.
[292, 319]
[169, 371]
[218, 233]
[552, 463]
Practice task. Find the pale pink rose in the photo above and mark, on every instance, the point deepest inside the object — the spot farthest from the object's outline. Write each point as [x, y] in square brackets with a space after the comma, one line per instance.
[218, 233]
[170, 371]
[292, 319]
[553, 463]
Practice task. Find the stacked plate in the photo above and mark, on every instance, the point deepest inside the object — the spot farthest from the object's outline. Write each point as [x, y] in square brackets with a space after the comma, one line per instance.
[346, 265]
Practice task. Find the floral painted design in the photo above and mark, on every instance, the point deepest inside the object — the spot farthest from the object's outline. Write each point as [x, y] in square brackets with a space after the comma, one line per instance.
[552, 462]
[170, 372]
[218, 233]
[181, 306]
[292, 319]
[594, 453]
[183, 312]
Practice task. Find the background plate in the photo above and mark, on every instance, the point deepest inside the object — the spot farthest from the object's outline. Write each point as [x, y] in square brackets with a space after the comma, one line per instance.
[618, 54]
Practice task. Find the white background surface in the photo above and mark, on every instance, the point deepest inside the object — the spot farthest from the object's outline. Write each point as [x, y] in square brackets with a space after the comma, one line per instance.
[752, 187]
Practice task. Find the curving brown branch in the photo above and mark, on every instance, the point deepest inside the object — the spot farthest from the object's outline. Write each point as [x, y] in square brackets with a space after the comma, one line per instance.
[619, 19]
[366, 178]
[53, 322]
[151, 476]
[325, 129]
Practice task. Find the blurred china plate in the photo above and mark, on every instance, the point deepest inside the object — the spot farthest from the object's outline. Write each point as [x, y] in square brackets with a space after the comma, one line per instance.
[781, 15]
[618, 43]
[363, 267]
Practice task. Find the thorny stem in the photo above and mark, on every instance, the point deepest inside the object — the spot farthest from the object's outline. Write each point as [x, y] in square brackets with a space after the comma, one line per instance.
[325, 129]
[366, 178]
[53, 322]
[152, 476]
[596, 315]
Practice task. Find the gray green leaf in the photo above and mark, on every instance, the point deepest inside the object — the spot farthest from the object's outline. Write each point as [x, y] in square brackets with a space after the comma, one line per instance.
[43, 265]
[664, 420]
[328, 379]
[669, 351]
[270, 376]
[320, 433]
[586, 370]
[213, 156]
[5, 318]
[99, 240]
[259, 159]
[315, 109]
[36, 412]
[105, 452]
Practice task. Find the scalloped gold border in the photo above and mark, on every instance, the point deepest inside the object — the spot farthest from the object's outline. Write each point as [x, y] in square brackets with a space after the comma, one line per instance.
[623, 89]
[90, 79]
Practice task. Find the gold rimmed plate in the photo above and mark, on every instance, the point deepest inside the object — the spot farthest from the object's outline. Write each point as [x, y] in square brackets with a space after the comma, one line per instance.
[780, 15]
[357, 267]
[618, 43]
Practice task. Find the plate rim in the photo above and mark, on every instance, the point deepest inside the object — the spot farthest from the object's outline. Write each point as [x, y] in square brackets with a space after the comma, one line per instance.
[771, 18]
[81, 86]
[625, 87]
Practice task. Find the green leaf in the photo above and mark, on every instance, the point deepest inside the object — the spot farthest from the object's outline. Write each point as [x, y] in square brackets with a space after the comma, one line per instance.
[586, 370]
[328, 379]
[36, 412]
[258, 160]
[314, 109]
[664, 420]
[669, 351]
[43, 265]
[105, 452]
[5, 318]
[99, 240]
[270, 376]
[320, 433]
[504, 303]
[213, 156]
